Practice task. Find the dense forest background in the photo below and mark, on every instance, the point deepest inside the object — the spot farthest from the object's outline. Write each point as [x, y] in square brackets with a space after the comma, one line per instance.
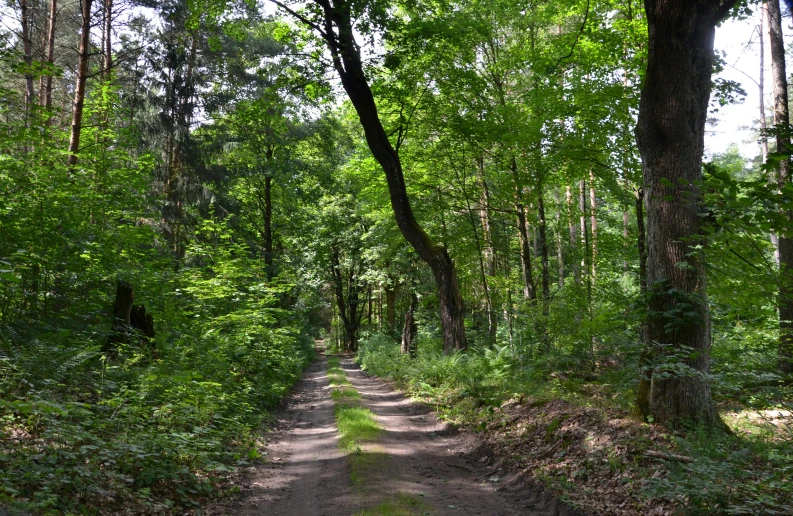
[190, 196]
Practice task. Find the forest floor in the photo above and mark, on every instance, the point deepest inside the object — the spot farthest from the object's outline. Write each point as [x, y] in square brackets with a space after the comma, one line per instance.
[415, 465]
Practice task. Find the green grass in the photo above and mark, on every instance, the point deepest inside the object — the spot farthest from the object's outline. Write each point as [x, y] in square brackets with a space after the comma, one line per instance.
[403, 505]
[345, 394]
[356, 425]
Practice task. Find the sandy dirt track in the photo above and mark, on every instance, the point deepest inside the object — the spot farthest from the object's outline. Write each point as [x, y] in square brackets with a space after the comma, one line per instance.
[416, 457]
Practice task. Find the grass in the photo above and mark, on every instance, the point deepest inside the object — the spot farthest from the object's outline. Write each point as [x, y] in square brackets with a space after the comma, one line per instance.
[403, 505]
[345, 394]
[356, 425]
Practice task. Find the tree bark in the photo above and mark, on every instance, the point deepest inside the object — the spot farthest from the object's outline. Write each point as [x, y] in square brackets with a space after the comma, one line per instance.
[410, 329]
[79, 90]
[670, 136]
[268, 227]
[573, 228]
[593, 224]
[763, 31]
[488, 248]
[122, 310]
[559, 245]
[626, 217]
[46, 80]
[641, 239]
[390, 300]
[529, 290]
[338, 33]
[783, 147]
[542, 247]
[107, 40]
[28, 52]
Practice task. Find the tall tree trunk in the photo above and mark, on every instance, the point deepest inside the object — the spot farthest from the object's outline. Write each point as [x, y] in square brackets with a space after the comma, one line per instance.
[783, 147]
[46, 92]
[390, 299]
[46, 80]
[488, 247]
[764, 31]
[626, 217]
[338, 33]
[542, 247]
[573, 235]
[593, 224]
[529, 290]
[410, 329]
[559, 244]
[670, 136]
[28, 52]
[481, 254]
[542, 250]
[107, 40]
[268, 226]
[79, 90]
[582, 217]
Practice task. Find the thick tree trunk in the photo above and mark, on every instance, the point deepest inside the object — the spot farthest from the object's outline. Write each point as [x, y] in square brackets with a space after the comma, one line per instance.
[783, 147]
[410, 329]
[338, 33]
[122, 310]
[670, 136]
[641, 239]
[79, 90]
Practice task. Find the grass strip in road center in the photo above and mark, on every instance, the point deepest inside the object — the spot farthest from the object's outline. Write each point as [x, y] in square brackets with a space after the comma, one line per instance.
[357, 425]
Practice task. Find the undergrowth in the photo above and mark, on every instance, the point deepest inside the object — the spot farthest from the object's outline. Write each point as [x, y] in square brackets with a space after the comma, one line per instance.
[82, 431]
[745, 473]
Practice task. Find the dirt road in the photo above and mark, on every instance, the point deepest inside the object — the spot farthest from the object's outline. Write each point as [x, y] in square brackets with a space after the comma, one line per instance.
[415, 467]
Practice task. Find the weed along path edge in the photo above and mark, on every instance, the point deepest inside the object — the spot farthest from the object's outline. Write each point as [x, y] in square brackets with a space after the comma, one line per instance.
[350, 445]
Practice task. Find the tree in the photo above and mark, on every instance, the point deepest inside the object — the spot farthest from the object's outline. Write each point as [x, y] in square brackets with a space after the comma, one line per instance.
[670, 136]
[84, 53]
[336, 28]
[783, 177]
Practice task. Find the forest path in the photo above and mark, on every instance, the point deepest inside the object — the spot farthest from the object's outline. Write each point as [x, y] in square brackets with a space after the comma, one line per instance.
[415, 466]
[305, 474]
[446, 470]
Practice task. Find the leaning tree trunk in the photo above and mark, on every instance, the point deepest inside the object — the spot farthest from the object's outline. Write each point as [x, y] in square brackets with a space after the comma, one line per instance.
[670, 136]
[337, 31]
[79, 90]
